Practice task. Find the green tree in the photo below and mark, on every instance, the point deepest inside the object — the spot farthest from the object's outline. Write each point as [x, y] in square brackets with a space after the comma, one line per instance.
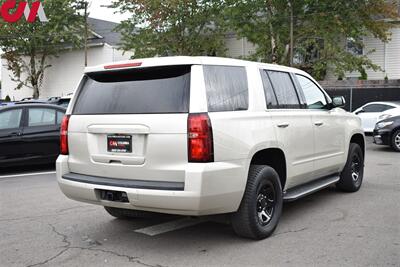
[174, 27]
[320, 31]
[27, 47]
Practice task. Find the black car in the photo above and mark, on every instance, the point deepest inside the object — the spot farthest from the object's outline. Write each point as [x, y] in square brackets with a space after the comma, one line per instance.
[29, 134]
[387, 132]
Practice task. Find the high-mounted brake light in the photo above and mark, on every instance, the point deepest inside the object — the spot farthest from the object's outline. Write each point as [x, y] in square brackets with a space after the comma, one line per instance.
[64, 136]
[124, 65]
[200, 138]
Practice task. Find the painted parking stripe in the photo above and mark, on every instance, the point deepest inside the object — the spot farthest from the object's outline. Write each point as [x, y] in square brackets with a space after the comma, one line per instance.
[170, 226]
[26, 174]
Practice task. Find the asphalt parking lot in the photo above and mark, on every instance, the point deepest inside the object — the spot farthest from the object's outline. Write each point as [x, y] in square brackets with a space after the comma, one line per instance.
[39, 226]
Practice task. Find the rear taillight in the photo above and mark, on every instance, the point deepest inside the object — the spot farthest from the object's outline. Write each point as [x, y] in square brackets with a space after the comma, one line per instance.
[64, 135]
[200, 138]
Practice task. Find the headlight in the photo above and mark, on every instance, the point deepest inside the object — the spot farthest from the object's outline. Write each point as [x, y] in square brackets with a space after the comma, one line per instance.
[384, 124]
[384, 117]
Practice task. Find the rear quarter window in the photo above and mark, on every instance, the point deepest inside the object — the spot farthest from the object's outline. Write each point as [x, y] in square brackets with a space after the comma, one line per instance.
[135, 91]
[226, 87]
[284, 89]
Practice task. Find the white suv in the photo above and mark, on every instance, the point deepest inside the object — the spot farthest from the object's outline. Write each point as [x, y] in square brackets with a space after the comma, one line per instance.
[203, 135]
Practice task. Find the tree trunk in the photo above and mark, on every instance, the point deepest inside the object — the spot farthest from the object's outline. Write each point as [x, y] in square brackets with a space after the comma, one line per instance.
[33, 73]
[35, 91]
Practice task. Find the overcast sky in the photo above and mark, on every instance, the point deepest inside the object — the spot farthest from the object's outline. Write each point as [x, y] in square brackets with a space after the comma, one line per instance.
[97, 11]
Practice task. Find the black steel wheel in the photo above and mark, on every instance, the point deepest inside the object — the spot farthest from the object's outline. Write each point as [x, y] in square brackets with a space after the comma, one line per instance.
[261, 207]
[353, 173]
[266, 203]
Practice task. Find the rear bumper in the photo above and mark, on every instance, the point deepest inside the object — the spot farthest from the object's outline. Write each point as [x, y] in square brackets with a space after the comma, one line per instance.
[210, 188]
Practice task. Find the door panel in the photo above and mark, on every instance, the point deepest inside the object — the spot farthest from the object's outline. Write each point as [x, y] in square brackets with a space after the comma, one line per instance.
[329, 141]
[293, 125]
[295, 131]
[10, 136]
[41, 134]
[328, 129]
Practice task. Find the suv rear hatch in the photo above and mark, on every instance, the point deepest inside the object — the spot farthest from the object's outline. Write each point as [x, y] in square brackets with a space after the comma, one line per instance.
[131, 124]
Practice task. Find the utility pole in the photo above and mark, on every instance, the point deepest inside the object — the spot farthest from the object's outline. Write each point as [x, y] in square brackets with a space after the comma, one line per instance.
[291, 33]
[86, 33]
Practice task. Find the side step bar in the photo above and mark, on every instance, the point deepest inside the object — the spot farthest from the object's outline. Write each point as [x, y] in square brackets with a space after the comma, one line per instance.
[309, 188]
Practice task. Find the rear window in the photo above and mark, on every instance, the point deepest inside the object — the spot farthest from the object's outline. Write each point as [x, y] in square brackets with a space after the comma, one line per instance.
[135, 91]
[284, 89]
[227, 88]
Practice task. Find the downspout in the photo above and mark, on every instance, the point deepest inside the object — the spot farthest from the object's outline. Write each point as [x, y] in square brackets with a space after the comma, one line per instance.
[243, 47]
[384, 59]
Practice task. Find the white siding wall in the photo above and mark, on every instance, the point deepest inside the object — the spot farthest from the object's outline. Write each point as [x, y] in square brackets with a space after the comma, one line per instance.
[393, 55]
[389, 63]
[237, 48]
[65, 73]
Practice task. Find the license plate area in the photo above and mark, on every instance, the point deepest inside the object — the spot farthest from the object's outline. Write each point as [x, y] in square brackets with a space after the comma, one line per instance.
[114, 196]
[119, 143]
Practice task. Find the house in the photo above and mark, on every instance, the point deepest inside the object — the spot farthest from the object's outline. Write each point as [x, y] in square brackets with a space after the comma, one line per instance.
[385, 55]
[66, 71]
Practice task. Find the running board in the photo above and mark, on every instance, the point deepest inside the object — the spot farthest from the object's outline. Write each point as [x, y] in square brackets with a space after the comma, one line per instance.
[309, 188]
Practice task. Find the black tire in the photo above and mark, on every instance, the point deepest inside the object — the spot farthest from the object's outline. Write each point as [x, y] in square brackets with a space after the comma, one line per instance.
[353, 173]
[128, 214]
[250, 221]
[396, 141]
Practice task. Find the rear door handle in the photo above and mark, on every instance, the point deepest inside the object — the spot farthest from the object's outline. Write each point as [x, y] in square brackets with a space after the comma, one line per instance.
[283, 125]
[319, 123]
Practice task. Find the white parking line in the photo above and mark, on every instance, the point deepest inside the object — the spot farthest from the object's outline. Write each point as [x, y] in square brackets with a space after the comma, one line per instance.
[170, 226]
[25, 174]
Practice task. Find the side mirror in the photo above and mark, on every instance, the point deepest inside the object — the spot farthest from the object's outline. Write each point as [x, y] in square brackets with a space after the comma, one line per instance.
[338, 102]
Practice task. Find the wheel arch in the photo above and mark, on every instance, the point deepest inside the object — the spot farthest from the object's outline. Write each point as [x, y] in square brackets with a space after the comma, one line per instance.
[275, 158]
[394, 131]
[359, 139]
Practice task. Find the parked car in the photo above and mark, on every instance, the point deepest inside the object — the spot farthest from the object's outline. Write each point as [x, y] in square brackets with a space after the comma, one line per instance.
[370, 113]
[30, 134]
[387, 132]
[199, 136]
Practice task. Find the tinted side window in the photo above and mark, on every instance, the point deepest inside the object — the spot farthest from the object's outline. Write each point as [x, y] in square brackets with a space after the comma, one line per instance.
[10, 119]
[387, 107]
[375, 108]
[284, 89]
[315, 98]
[227, 88]
[270, 97]
[41, 117]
